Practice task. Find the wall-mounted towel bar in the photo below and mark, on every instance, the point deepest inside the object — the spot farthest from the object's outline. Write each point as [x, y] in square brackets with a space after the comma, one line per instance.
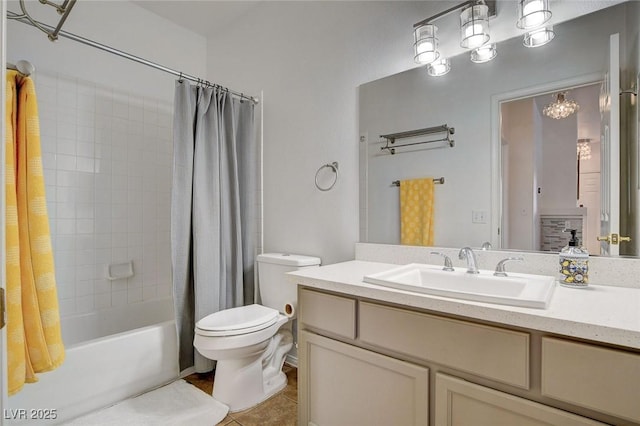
[439, 181]
[391, 145]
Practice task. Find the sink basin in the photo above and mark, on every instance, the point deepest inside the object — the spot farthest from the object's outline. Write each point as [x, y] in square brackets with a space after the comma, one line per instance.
[526, 290]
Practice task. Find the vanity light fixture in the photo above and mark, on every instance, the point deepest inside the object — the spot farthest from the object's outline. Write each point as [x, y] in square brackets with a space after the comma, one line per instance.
[532, 13]
[484, 53]
[584, 149]
[474, 26]
[561, 108]
[426, 44]
[474, 32]
[439, 67]
[539, 37]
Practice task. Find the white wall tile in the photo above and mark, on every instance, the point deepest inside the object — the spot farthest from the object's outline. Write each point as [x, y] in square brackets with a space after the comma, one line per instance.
[85, 146]
[149, 293]
[134, 295]
[84, 304]
[119, 298]
[102, 301]
[107, 161]
[102, 285]
[67, 307]
[65, 211]
[84, 288]
[66, 162]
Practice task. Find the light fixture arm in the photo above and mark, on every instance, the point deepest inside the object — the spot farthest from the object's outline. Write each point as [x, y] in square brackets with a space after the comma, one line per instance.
[490, 3]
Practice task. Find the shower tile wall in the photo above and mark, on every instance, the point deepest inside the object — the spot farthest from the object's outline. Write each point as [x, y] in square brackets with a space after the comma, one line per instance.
[107, 159]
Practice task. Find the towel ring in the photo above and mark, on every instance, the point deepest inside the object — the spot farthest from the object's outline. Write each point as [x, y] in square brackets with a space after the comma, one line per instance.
[333, 166]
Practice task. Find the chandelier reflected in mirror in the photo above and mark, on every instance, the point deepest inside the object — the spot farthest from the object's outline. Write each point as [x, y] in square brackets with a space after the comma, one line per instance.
[561, 108]
[584, 149]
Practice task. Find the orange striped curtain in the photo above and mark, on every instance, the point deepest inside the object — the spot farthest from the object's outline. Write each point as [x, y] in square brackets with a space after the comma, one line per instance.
[34, 340]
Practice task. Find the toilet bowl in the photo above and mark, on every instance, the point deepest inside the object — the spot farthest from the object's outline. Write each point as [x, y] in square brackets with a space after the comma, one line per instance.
[248, 342]
[249, 354]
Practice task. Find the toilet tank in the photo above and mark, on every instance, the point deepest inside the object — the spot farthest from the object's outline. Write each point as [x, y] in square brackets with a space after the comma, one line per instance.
[275, 289]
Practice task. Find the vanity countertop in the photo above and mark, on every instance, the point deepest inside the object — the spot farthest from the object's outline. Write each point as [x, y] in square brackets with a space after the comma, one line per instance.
[606, 314]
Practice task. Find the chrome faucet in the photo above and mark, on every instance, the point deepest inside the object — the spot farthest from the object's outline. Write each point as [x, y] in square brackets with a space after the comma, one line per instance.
[448, 266]
[486, 246]
[500, 272]
[472, 262]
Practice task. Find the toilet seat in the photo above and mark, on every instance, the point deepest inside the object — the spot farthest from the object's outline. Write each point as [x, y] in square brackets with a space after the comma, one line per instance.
[237, 321]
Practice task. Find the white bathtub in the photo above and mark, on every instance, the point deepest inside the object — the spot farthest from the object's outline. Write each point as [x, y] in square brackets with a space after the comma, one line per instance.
[99, 372]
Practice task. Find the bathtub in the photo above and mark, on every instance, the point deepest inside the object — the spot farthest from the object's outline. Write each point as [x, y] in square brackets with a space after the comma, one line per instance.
[104, 364]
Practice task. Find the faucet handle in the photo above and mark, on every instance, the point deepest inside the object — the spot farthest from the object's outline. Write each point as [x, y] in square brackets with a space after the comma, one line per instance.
[500, 272]
[448, 266]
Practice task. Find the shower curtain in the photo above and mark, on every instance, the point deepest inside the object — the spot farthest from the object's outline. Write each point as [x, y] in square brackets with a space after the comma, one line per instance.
[213, 209]
[34, 340]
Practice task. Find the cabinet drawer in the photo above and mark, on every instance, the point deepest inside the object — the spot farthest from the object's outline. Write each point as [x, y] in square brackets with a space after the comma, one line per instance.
[459, 402]
[326, 312]
[594, 377]
[490, 352]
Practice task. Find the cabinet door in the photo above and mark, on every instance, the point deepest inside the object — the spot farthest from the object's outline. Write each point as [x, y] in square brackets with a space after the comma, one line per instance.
[340, 384]
[461, 403]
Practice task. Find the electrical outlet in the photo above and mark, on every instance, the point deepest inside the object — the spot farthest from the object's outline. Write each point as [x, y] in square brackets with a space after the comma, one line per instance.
[479, 216]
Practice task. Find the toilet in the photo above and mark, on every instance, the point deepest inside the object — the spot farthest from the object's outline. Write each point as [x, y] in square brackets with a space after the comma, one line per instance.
[247, 342]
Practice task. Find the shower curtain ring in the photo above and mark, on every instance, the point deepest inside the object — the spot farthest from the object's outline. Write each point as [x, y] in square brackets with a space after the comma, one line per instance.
[180, 77]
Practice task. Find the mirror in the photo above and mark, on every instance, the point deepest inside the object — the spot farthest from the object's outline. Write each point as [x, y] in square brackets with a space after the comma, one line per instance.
[468, 205]
[537, 206]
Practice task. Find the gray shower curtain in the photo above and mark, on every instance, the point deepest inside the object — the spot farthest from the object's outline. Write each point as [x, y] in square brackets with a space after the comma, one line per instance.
[213, 209]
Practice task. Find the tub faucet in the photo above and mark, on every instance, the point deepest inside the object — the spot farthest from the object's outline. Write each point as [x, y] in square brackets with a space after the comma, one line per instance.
[472, 262]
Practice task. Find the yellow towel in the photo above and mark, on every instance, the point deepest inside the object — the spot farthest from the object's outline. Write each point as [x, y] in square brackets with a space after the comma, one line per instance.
[416, 212]
[34, 340]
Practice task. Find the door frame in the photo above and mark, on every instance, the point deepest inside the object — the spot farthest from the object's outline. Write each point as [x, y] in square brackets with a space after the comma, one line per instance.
[496, 221]
[3, 334]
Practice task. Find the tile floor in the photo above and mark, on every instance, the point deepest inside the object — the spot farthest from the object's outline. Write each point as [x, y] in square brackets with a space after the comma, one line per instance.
[281, 409]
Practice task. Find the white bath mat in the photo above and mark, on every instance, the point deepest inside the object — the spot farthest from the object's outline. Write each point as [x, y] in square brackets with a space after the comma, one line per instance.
[176, 404]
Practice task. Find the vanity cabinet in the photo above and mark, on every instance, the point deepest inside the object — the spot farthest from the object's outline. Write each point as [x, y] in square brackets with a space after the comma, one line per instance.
[367, 362]
[347, 385]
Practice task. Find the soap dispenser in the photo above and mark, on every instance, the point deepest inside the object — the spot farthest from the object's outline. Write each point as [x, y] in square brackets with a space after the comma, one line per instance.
[574, 263]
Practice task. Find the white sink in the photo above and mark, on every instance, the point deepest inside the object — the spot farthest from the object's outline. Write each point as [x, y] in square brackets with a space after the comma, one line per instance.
[526, 290]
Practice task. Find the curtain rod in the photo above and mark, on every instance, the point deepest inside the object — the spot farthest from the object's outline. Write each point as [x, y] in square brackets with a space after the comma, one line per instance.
[109, 49]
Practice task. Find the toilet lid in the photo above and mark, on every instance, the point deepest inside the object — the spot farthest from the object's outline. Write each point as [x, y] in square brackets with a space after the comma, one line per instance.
[244, 319]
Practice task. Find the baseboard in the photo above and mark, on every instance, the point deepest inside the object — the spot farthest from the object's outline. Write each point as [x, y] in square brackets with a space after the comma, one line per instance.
[291, 360]
[187, 371]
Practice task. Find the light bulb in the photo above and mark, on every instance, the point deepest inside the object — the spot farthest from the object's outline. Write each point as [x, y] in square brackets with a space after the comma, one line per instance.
[426, 52]
[474, 35]
[426, 44]
[539, 37]
[439, 67]
[474, 26]
[484, 53]
[532, 13]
